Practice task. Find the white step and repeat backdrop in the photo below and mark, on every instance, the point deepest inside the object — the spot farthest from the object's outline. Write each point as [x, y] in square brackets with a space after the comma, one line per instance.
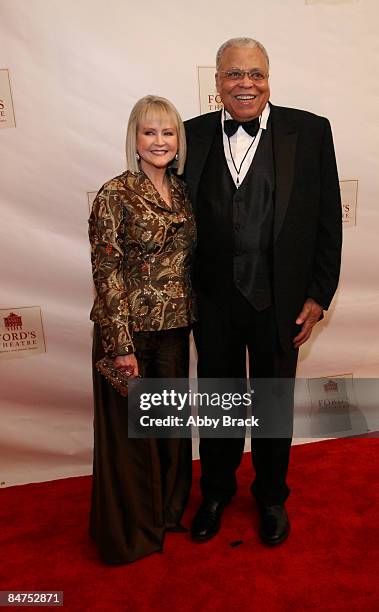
[70, 72]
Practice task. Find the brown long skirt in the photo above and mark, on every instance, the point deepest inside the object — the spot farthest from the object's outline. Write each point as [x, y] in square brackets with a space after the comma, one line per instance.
[140, 486]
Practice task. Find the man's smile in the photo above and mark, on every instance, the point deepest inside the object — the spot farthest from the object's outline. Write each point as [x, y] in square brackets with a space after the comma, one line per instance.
[245, 99]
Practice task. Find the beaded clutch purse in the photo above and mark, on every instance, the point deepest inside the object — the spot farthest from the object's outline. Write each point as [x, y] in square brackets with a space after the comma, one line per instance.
[117, 377]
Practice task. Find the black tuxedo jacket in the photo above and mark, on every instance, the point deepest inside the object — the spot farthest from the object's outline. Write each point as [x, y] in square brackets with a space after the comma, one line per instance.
[307, 232]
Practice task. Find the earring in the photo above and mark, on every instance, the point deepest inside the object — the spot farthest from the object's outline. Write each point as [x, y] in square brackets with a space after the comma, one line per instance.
[137, 157]
[176, 156]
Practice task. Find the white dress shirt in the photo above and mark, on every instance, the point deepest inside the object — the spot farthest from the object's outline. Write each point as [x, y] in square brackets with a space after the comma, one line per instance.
[240, 143]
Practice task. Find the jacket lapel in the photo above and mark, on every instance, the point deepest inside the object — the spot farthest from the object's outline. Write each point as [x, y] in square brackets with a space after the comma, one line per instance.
[284, 143]
[142, 186]
[199, 143]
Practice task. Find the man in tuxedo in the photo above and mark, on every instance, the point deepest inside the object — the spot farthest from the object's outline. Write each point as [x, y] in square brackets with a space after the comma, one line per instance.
[263, 182]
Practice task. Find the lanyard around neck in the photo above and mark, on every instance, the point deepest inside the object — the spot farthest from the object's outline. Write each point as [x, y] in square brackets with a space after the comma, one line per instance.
[238, 170]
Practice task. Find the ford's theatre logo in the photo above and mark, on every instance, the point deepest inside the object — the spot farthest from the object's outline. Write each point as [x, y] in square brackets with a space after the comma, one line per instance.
[21, 332]
[331, 386]
[214, 102]
[331, 406]
[13, 321]
[6, 103]
[349, 197]
[14, 336]
[209, 97]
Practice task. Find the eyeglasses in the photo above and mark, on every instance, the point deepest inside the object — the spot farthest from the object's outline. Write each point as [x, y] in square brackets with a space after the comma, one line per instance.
[238, 75]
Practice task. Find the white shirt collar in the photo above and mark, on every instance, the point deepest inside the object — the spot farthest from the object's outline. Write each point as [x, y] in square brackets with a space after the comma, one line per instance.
[264, 116]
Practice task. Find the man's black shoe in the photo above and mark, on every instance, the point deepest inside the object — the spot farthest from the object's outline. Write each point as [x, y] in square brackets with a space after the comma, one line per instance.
[207, 520]
[275, 525]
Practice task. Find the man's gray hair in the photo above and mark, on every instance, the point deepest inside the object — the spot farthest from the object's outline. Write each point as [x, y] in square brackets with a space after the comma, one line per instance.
[241, 42]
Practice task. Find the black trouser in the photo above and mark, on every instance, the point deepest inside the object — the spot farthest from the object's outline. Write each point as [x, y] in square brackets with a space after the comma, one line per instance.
[222, 336]
[163, 354]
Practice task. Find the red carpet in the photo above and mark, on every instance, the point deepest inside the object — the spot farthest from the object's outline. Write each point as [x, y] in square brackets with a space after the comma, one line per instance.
[330, 561]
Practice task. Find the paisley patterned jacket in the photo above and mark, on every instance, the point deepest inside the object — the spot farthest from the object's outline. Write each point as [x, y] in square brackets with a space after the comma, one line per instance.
[141, 253]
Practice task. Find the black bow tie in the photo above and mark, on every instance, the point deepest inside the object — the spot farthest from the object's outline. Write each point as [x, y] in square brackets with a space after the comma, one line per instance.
[251, 127]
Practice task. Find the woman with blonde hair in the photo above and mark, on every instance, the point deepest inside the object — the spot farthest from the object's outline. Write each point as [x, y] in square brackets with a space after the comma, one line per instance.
[142, 235]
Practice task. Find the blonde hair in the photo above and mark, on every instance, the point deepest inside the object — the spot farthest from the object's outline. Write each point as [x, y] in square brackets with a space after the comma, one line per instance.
[159, 106]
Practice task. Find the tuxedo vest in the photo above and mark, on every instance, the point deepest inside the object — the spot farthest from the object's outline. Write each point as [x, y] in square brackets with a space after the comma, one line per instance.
[235, 226]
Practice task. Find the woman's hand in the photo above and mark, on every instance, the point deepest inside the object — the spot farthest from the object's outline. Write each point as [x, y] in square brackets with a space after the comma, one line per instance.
[128, 363]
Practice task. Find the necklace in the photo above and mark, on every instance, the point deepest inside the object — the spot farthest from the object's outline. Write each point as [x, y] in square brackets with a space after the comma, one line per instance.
[238, 170]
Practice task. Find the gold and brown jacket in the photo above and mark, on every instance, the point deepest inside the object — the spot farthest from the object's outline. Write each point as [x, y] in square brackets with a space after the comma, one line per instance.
[141, 252]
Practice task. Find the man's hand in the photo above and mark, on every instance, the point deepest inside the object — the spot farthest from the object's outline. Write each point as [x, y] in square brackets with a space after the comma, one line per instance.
[128, 363]
[308, 317]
